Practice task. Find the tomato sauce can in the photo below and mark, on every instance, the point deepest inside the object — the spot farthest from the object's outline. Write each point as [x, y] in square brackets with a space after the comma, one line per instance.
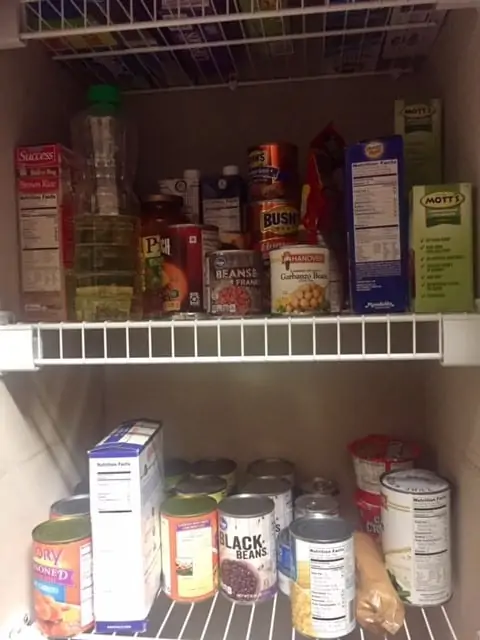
[184, 250]
[416, 535]
[189, 548]
[193, 486]
[76, 505]
[235, 281]
[62, 576]
[223, 467]
[273, 171]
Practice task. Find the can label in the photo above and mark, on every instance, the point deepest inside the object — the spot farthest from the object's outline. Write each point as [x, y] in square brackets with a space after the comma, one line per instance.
[248, 568]
[272, 171]
[235, 282]
[416, 544]
[189, 556]
[283, 510]
[323, 588]
[63, 587]
[274, 223]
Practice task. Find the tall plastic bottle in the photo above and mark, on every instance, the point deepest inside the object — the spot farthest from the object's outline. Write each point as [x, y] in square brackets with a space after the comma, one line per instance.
[106, 220]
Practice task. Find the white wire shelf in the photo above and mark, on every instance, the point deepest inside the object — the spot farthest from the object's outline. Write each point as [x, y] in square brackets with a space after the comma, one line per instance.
[219, 619]
[148, 45]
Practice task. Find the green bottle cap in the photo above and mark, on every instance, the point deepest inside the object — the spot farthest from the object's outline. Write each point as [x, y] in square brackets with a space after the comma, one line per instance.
[106, 93]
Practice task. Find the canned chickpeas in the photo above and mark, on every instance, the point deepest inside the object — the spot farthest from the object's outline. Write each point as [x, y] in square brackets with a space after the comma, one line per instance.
[223, 467]
[234, 283]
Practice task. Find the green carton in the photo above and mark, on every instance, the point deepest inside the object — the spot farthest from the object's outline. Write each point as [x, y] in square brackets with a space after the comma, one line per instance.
[441, 233]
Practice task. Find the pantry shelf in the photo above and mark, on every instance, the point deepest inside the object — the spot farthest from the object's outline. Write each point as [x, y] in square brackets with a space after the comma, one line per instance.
[219, 619]
[181, 44]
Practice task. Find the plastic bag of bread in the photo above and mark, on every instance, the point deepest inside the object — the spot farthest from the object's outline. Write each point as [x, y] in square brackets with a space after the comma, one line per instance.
[379, 608]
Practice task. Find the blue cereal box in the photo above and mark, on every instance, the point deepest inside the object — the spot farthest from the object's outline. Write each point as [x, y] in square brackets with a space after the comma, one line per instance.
[126, 491]
[377, 222]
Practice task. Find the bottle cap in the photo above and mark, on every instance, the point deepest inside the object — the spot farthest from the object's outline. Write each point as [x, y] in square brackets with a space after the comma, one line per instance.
[104, 93]
[191, 174]
[231, 170]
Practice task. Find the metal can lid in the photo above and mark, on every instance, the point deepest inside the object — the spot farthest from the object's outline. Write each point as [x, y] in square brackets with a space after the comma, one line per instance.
[63, 530]
[188, 507]
[201, 485]
[167, 198]
[271, 467]
[321, 529]
[268, 486]
[317, 503]
[76, 505]
[414, 481]
[213, 467]
[176, 467]
[246, 505]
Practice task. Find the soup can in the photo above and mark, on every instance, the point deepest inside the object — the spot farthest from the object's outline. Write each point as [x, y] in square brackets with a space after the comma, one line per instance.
[316, 505]
[272, 467]
[416, 536]
[323, 577]
[223, 467]
[273, 171]
[320, 485]
[189, 548]
[194, 486]
[76, 505]
[235, 283]
[62, 576]
[280, 491]
[248, 562]
[175, 470]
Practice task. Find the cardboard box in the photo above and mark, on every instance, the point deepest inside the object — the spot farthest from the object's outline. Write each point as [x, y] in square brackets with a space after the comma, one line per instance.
[420, 125]
[442, 248]
[377, 224]
[189, 190]
[45, 213]
[126, 492]
[223, 206]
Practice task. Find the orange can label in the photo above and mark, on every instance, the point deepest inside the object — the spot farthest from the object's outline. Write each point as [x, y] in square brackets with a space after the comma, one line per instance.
[62, 587]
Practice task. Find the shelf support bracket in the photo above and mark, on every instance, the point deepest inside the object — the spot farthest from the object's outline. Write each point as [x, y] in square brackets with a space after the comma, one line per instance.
[19, 348]
[10, 24]
[461, 340]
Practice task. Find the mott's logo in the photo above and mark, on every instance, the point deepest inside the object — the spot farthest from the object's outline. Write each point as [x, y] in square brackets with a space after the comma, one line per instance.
[442, 200]
[418, 111]
[374, 150]
[282, 220]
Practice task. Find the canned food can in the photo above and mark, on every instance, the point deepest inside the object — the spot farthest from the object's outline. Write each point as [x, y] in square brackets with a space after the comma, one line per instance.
[223, 467]
[280, 491]
[273, 224]
[316, 505]
[235, 283]
[416, 535]
[62, 576]
[213, 486]
[378, 454]
[248, 562]
[272, 468]
[321, 485]
[299, 280]
[323, 577]
[184, 250]
[284, 562]
[175, 470]
[369, 507]
[189, 548]
[273, 171]
[76, 505]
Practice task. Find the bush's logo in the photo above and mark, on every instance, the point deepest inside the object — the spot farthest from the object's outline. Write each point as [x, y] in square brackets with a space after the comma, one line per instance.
[415, 111]
[442, 200]
[256, 158]
[374, 150]
[282, 220]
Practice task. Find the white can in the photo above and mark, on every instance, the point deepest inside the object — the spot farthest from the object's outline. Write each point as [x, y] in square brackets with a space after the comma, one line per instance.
[248, 562]
[323, 580]
[299, 279]
[416, 535]
[280, 491]
[317, 505]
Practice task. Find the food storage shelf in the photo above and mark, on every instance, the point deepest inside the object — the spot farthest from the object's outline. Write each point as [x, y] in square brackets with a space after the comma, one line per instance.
[219, 619]
[145, 45]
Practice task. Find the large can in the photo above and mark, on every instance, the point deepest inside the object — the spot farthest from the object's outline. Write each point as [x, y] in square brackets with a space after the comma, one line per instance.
[317, 505]
[62, 576]
[416, 535]
[223, 467]
[194, 486]
[280, 491]
[323, 580]
[273, 224]
[189, 548]
[76, 505]
[299, 280]
[272, 467]
[235, 283]
[184, 250]
[273, 171]
[248, 563]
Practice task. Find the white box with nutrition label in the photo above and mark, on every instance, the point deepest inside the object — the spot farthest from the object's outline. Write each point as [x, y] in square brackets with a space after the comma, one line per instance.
[126, 492]
[188, 188]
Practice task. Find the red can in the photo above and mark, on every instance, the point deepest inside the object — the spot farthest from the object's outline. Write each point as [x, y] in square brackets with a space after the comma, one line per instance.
[273, 171]
[184, 249]
[274, 223]
[369, 506]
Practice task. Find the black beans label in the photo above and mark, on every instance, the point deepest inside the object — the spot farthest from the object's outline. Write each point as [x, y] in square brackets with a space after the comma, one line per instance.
[245, 547]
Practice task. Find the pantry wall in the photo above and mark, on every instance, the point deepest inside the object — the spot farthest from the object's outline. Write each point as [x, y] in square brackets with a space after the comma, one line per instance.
[308, 411]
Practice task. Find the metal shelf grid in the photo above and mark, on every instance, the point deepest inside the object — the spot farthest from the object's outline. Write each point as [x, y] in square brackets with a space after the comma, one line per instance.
[147, 45]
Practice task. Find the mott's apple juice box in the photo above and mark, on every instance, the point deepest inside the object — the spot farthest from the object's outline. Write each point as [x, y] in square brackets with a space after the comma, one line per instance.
[442, 248]
[377, 226]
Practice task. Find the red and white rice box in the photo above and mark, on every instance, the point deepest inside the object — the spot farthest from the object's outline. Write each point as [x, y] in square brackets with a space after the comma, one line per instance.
[45, 211]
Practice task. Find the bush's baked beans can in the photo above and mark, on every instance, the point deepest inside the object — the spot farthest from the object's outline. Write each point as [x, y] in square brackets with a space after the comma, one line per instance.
[189, 548]
[193, 486]
[273, 224]
[223, 467]
[184, 250]
[234, 283]
[316, 504]
[273, 171]
[273, 468]
[416, 535]
[323, 577]
[248, 563]
[76, 505]
[299, 280]
[62, 576]
[280, 491]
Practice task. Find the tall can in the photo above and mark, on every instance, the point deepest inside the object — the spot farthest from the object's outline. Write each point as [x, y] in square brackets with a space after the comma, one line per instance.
[273, 171]
[280, 491]
[273, 224]
[416, 535]
[248, 563]
[323, 580]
